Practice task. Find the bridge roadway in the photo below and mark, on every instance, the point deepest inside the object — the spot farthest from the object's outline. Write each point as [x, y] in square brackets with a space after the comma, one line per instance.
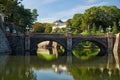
[69, 41]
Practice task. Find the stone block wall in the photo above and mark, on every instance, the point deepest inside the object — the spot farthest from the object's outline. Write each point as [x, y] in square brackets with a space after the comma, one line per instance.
[16, 44]
[4, 44]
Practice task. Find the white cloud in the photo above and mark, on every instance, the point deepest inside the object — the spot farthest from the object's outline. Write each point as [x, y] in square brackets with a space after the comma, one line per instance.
[76, 9]
[66, 14]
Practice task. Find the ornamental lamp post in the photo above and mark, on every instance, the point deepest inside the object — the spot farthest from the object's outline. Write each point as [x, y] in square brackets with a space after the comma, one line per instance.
[27, 30]
[27, 39]
[110, 29]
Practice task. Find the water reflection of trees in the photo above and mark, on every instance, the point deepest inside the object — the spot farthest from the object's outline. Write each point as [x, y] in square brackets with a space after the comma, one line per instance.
[82, 70]
[50, 50]
[85, 50]
[94, 73]
[20, 68]
[16, 69]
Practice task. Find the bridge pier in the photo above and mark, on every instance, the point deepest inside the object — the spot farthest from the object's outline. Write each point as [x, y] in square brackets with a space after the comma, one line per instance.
[110, 37]
[69, 48]
[27, 43]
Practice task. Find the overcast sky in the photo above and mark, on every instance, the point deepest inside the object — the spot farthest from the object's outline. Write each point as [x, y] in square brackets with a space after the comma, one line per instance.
[51, 10]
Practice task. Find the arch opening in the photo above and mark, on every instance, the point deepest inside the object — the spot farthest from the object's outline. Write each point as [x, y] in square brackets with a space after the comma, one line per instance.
[50, 50]
[87, 49]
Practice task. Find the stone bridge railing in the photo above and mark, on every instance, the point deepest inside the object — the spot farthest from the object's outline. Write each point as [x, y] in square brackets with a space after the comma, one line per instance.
[46, 35]
[65, 35]
[90, 35]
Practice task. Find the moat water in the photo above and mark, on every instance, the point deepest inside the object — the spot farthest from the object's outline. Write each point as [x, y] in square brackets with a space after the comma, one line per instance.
[59, 68]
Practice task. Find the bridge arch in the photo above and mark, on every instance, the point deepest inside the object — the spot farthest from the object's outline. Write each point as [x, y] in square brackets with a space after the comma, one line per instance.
[100, 40]
[34, 43]
[101, 44]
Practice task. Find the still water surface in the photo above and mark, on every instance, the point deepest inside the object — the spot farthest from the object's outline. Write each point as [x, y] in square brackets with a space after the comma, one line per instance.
[34, 68]
[52, 65]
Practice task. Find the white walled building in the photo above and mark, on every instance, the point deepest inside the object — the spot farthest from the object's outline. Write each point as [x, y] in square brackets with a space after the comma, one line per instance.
[58, 24]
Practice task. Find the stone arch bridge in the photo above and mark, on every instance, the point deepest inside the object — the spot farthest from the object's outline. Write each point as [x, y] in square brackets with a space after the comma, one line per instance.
[104, 42]
[18, 42]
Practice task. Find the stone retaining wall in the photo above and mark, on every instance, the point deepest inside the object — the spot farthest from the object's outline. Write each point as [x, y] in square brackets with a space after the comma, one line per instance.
[4, 45]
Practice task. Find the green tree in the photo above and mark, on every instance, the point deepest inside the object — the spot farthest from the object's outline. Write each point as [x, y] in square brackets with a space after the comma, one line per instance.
[56, 30]
[77, 23]
[84, 26]
[48, 29]
[93, 31]
[38, 27]
[115, 30]
[17, 13]
[98, 15]
[34, 14]
[77, 20]
[99, 30]
[102, 15]
[69, 22]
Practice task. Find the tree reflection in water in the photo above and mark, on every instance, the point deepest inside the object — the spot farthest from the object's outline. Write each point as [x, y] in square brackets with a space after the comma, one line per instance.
[30, 68]
[85, 50]
[15, 69]
[49, 50]
[95, 74]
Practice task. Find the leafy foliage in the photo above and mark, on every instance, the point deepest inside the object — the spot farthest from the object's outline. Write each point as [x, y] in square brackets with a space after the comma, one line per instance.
[48, 28]
[115, 30]
[42, 27]
[103, 16]
[38, 27]
[16, 13]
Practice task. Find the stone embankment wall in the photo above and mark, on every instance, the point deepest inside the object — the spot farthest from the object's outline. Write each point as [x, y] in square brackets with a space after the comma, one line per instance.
[17, 44]
[116, 50]
[4, 45]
